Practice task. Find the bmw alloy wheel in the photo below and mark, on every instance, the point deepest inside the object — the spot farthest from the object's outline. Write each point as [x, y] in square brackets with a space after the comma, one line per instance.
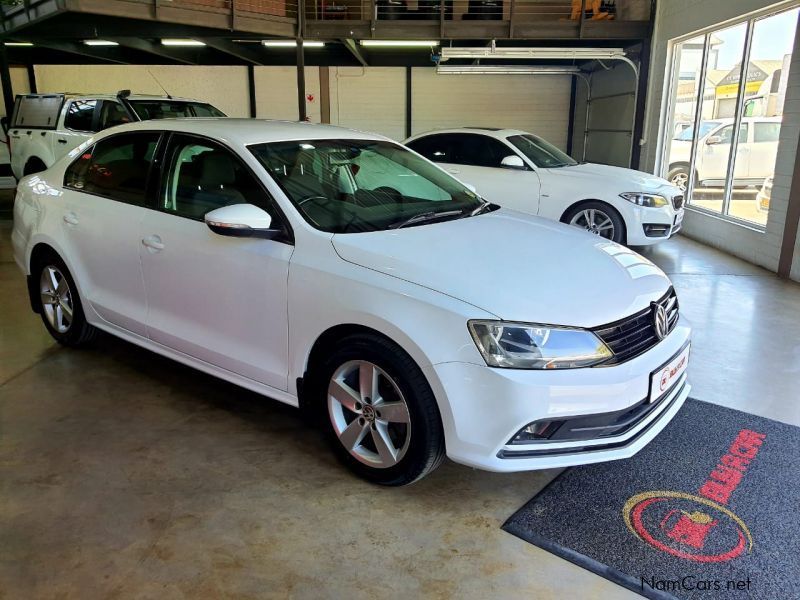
[594, 221]
[56, 298]
[369, 414]
[681, 180]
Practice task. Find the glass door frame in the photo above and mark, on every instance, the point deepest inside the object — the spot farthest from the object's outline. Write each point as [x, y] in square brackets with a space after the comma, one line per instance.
[669, 106]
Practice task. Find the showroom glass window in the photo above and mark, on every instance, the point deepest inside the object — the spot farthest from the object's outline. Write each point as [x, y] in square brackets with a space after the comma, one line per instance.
[117, 168]
[203, 176]
[80, 115]
[729, 84]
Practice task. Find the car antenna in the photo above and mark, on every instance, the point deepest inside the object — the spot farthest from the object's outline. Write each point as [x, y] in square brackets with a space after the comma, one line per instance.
[163, 89]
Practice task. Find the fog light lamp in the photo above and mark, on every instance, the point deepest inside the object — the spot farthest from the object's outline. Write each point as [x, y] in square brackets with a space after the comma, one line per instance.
[536, 432]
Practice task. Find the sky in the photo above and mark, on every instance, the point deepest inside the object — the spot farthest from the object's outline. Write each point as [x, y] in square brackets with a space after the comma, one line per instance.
[773, 38]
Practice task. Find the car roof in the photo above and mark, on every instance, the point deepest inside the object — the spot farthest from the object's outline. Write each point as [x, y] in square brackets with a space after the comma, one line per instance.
[248, 131]
[71, 96]
[495, 132]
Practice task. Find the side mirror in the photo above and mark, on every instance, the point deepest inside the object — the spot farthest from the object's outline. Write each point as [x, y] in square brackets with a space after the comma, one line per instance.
[713, 140]
[241, 220]
[513, 162]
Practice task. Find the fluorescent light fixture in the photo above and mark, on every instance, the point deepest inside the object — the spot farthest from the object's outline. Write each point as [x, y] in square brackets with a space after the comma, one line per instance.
[399, 43]
[504, 70]
[19, 44]
[100, 43]
[181, 42]
[291, 44]
[534, 53]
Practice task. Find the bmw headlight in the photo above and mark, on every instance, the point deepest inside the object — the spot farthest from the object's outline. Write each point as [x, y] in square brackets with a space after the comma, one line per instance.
[642, 199]
[529, 346]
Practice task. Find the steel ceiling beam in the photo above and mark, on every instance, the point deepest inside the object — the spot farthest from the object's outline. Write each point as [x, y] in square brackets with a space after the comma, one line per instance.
[154, 48]
[233, 49]
[355, 51]
[106, 54]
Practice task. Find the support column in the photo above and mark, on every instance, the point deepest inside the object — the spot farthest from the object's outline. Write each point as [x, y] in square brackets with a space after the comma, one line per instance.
[5, 81]
[301, 62]
[408, 101]
[251, 89]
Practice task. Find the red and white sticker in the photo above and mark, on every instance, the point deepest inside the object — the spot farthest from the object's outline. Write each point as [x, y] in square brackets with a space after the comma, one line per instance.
[662, 380]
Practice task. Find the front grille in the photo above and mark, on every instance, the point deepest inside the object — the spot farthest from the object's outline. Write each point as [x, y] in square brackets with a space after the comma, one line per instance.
[677, 202]
[636, 334]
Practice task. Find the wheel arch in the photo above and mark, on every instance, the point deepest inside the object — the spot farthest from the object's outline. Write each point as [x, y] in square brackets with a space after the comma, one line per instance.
[326, 341]
[576, 205]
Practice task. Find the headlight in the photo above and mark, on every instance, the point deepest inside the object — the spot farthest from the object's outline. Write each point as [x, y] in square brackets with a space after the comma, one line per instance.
[528, 346]
[649, 200]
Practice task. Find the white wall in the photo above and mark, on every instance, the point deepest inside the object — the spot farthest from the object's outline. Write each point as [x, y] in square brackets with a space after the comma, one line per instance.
[535, 103]
[677, 18]
[276, 93]
[224, 87]
[370, 99]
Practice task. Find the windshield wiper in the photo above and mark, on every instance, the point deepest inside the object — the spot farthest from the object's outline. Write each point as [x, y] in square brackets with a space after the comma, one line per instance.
[480, 210]
[426, 216]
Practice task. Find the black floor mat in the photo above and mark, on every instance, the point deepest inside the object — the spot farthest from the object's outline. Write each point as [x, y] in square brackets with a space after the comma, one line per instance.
[710, 509]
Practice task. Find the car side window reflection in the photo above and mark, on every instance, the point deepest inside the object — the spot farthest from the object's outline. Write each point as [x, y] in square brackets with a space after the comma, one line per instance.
[116, 167]
[202, 176]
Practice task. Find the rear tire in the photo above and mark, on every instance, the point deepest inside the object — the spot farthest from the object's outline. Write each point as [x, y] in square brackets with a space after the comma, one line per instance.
[59, 302]
[378, 411]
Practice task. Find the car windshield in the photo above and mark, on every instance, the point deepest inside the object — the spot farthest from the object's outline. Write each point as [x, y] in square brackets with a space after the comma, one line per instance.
[541, 152]
[349, 186]
[705, 127]
[172, 109]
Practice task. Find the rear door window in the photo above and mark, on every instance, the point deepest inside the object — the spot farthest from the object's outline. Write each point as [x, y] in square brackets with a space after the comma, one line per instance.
[767, 132]
[80, 115]
[436, 148]
[117, 168]
[478, 150]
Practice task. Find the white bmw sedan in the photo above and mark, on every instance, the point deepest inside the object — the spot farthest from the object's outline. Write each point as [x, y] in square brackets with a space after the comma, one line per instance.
[525, 172]
[338, 271]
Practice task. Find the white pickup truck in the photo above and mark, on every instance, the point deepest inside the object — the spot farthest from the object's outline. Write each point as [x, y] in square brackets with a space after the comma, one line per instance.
[45, 127]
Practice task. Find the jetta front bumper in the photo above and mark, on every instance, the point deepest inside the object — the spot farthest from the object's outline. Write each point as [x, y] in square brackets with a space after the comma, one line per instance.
[483, 409]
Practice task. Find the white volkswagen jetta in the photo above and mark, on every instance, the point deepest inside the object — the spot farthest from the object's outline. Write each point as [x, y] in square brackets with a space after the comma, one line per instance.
[525, 172]
[338, 271]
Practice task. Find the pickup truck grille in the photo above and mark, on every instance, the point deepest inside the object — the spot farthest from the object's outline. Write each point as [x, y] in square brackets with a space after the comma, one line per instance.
[636, 334]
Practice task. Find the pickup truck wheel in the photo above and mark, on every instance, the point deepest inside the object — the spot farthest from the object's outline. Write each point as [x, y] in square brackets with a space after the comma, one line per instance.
[34, 165]
[679, 176]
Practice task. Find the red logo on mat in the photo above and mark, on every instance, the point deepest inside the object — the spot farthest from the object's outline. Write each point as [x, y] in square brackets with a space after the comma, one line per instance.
[698, 527]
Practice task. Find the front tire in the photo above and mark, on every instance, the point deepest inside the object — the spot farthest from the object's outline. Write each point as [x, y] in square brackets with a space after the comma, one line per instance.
[679, 177]
[59, 303]
[378, 411]
[598, 218]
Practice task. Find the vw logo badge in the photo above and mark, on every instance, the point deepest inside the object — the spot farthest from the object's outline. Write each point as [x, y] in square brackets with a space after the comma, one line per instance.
[660, 321]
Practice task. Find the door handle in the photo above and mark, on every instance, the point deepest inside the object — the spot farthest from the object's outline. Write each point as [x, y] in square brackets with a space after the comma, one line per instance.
[71, 218]
[153, 243]
[62, 141]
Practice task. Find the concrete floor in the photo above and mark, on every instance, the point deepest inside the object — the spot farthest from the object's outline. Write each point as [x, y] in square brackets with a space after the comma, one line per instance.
[123, 474]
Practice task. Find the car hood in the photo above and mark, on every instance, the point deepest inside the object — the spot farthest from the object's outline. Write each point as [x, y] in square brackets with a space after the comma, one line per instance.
[627, 180]
[515, 266]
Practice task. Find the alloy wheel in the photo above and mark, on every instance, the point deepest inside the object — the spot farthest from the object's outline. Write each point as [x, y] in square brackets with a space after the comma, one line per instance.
[594, 221]
[680, 180]
[56, 298]
[369, 414]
